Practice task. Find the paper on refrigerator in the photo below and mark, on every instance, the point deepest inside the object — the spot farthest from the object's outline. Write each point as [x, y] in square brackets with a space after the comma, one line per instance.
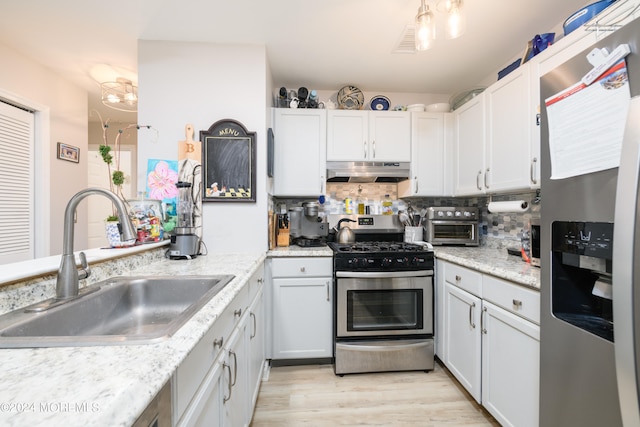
[586, 124]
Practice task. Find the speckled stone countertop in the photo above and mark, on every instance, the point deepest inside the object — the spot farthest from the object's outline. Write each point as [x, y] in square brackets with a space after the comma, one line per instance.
[496, 262]
[111, 385]
[298, 251]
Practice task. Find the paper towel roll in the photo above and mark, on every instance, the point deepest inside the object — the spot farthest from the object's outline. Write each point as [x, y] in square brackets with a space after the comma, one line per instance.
[510, 206]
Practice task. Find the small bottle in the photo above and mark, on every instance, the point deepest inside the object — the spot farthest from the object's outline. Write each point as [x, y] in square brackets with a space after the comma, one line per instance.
[387, 205]
[348, 206]
[360, 204]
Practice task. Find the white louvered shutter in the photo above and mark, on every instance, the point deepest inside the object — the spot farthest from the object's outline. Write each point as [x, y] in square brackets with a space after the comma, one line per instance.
[16, 184]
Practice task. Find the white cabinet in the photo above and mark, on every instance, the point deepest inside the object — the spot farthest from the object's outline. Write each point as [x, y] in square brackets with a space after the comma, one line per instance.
[491, 341]
[302, 308]
[510, 119]
[431, 160]
[439, 308]
[510, 367]
[463, 339]
[469, 130]
[218, 382]
[382, 136]
[299, 152]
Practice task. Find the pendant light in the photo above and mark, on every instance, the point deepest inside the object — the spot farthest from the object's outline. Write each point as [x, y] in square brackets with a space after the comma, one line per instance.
[425, 30]
[456, 20]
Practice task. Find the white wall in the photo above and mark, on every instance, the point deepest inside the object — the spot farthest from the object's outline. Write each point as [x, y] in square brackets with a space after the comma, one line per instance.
[38, 87]
[201, 83]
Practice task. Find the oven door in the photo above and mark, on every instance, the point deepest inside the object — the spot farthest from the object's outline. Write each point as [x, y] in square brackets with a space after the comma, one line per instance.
[452, 232]
[372, 304]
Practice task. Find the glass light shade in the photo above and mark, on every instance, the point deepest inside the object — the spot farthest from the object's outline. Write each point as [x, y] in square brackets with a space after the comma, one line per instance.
[120, 95]
[456, 19]
[425, 29]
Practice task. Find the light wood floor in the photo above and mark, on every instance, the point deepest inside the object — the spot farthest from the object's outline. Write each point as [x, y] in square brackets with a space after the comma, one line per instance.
[313, 396]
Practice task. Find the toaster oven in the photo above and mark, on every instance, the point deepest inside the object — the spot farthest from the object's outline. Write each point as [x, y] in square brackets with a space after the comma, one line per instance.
[452, 226]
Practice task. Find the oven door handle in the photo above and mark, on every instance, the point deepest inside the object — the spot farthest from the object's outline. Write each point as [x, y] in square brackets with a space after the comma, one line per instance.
[383, 274]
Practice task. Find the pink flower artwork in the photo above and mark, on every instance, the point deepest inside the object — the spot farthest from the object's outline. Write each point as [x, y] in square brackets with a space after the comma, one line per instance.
[161, 182]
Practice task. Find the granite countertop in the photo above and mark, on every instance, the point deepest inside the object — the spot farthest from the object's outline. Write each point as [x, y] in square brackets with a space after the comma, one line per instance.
[298, 251]
[111, 385]
[496, 262]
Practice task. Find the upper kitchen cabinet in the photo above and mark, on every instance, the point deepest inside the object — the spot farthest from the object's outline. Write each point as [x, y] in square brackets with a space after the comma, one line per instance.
[375, 136]
[431, 160]
[300, 144]
[510, 163]
[469, 130]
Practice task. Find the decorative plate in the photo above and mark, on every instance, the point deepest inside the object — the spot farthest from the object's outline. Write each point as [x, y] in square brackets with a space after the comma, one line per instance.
[380, 103]
[350, 98]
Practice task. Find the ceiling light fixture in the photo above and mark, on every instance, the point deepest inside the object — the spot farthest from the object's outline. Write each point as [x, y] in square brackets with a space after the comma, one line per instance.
[425, 26]
[120, 95]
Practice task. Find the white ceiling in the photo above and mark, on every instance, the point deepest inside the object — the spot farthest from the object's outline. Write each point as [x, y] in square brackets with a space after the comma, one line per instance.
[319, 44]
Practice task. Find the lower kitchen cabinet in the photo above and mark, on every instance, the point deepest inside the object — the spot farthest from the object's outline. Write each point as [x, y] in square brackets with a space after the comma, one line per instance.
[302, 308]
[510, 367]
[492, 341]
[463, 339]
[218, 382]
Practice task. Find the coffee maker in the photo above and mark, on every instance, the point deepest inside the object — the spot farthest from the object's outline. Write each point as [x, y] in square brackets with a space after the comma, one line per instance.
[185, 244]
[307, 228]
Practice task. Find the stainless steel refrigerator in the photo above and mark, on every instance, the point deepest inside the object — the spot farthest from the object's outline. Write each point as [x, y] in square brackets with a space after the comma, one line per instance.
[590, 308]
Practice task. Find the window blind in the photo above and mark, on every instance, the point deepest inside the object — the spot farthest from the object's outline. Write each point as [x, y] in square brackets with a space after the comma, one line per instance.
[16, 184]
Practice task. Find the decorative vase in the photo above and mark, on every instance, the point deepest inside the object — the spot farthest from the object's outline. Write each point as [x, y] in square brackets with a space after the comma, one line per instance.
[113, 235]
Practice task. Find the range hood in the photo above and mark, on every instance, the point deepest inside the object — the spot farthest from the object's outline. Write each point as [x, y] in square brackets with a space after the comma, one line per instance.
[364, 172]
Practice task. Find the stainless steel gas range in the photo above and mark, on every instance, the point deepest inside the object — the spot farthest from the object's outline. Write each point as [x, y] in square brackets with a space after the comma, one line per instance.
[383, 310]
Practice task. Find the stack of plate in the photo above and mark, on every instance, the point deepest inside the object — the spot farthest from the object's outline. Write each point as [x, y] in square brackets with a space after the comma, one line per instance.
[415, 107]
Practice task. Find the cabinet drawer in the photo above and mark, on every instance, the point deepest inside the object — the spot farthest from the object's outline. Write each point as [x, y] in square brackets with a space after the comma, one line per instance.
[512, 297]
[469, 280]
[195, 366]
[302, 267]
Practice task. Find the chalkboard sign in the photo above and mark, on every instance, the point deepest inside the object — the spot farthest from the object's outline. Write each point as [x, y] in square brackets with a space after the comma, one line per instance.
[228, 160]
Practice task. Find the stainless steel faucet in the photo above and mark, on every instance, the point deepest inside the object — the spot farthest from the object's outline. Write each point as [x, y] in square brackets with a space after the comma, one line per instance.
[68, 277]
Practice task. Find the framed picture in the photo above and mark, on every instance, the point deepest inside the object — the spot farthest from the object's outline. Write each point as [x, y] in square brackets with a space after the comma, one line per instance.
[228, 163]
[68, 153]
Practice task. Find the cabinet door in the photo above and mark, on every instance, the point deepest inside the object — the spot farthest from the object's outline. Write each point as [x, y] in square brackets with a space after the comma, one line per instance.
[299, 152]
[302, 318]
[470, 147]
[235, 401]
[347, 135]
[256, 347]
[510, 367]
[463, 343]
[205, 410]
[508, 132]
[389, 136]
[428, 160]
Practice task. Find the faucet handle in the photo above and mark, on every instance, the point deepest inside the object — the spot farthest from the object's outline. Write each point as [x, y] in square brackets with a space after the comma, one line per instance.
[86, 271]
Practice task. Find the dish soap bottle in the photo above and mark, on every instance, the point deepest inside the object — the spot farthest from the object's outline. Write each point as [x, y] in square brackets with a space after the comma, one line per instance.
[387, 205]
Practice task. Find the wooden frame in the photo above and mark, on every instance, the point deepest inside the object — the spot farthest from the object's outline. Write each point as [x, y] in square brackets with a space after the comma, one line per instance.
[228, 163]
[68, 152]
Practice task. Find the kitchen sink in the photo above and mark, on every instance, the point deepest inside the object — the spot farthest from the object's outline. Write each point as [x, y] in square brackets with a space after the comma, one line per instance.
[116, 311]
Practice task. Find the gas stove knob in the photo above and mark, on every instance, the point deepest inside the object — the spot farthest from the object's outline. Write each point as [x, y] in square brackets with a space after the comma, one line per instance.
[353, 262]
[402, 261]
[440, 213]
[387, 262]
[417, 261]
[449, 213]
[364, 262]
[467, 213]
[458, 213]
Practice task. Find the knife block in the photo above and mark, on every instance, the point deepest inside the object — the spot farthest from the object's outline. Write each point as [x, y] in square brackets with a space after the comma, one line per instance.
[283, 237]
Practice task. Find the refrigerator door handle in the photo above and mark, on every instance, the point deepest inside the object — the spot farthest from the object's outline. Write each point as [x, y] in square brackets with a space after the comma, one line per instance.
[625, 236]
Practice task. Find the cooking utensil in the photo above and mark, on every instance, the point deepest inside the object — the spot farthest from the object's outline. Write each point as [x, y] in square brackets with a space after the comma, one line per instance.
[344, 234]
[404, 218]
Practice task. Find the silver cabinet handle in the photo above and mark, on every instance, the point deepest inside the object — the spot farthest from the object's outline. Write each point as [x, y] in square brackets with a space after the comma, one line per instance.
[517, 304]
[374, 149]
[416, 178]
[322, 183]
[225, 399]
[218, 343]
[478, 180]
[255, 326]
[303, 269]
[484, 313]
[486, 178]
[471, 307]
[328, 290]
[534, 179]
[235, 368]
[237, 313]
[261, 280]
[365, 149]
[458, 278]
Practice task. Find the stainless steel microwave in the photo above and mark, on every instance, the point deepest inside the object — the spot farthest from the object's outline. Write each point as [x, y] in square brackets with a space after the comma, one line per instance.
[452, 226]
